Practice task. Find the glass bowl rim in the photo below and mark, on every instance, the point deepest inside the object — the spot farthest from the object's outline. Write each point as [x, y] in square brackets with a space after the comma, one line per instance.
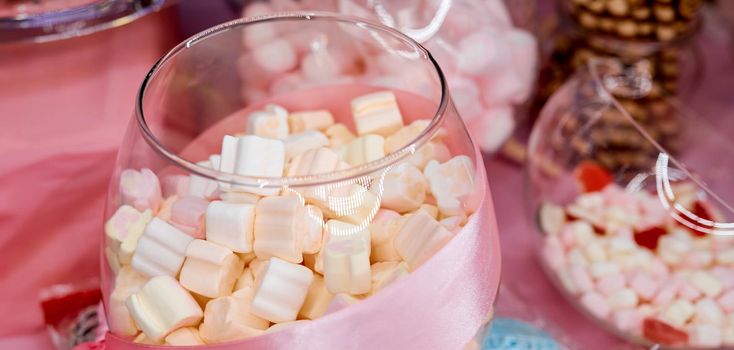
[351, 173]
[86, 19]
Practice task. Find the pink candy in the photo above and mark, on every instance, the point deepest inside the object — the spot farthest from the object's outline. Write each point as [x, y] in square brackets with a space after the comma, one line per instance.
[596, 304]
[140, 189]
[610, 284]
[581, 278]
[187, 214]
[644, 285]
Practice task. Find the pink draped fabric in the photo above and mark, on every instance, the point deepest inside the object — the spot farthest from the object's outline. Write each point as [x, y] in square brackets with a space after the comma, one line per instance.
[439, 306]
[63, 109]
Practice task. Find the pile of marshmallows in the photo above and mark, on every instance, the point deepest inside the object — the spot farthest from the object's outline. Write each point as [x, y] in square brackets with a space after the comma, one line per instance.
[490, 65]
[626, 261]
[215, 261]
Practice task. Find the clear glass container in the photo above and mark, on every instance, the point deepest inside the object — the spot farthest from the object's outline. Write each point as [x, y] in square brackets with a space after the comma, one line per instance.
[331, 192]
[635, 228]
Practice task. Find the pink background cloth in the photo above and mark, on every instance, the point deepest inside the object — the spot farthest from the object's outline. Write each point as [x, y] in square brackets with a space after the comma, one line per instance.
[64, 107]
[30, 259]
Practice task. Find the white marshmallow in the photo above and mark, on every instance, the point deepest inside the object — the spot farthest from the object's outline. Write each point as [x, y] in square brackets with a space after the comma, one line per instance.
[310, 120]
[314, 227]
[624, 298]
[339, 302]
[403, 188]
[239, 197]
[186, 336]
[123, 230]
[450, 183]
[231, 225]
[246, 279]
[201, 186]
[433, 150]
[255, 156]
[364, 149]
[314, 161]
[317, 299]
[209, 269]
[231, 318]
[162, 306]
[337, 230]
[338, 135]
[385, 273]
[280, 290]
[708, 312]
[376, 113]
[678, 312]
[161, 249]
[551, 218]
[405, 135]
[279, 228]
[706, 283]
[419, 238]
[347, 263]
[382, 236]
[298, 143]
[705, 336]
[127, 281]
[271, 122]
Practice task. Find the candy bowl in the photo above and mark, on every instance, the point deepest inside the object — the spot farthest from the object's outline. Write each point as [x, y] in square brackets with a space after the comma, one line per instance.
[348, 214]
[635, 227]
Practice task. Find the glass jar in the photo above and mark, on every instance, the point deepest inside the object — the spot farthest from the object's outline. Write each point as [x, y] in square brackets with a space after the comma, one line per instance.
[231, 216]
[637, 233]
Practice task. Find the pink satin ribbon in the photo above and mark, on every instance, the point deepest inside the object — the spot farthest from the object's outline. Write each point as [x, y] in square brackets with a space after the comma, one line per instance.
[439, 306]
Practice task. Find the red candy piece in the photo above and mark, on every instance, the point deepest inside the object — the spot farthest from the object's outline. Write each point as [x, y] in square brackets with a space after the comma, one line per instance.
[592, 177]
[649, 238]
[703, 211]
[662, 333]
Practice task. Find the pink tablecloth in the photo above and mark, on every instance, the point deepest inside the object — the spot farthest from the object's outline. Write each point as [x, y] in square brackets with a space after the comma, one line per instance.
[64, 107]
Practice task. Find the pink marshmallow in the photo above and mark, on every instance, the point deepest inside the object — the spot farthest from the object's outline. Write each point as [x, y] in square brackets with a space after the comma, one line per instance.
[175, 185]
[497, 125]
[568, 236]
[323, 65]
[253, 36]
[524, 51]
[696, 259]
[187, 213]
[479, 53]
[140, 189]
[726, 301]
[610, 284]
[667, 292]
[644, 285]
[615, 195]
[596, 304]
[286, 83]
[385, 214]
[658, 268]
[581, 278]
[688, 291]
[628, 320]
[724, 275]
[553, 253]
[501, 88]
[466, 97]
[276, 56]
